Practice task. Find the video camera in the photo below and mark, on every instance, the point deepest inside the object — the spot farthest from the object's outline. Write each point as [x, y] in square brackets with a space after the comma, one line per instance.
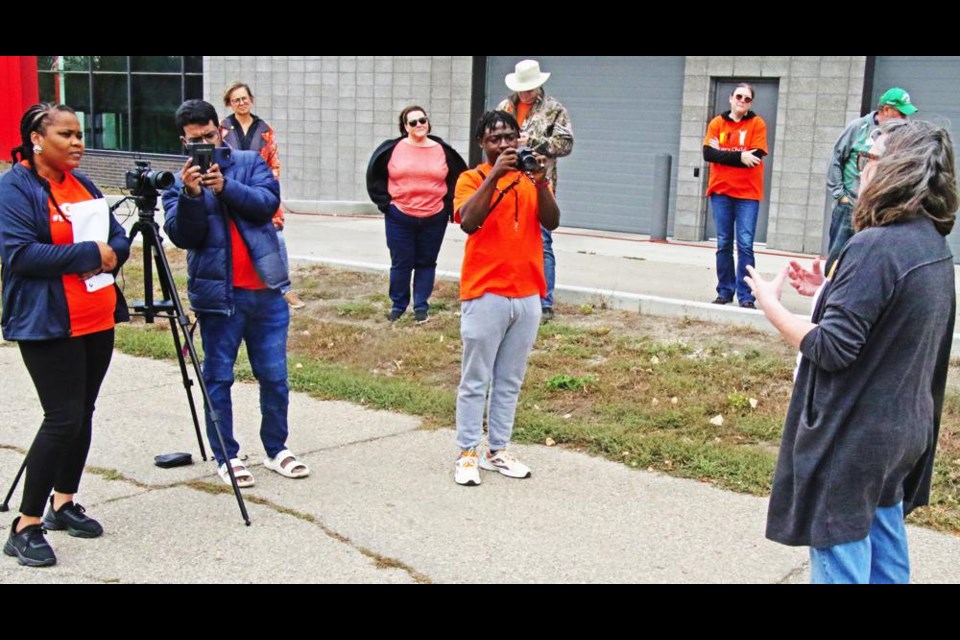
[143, 181]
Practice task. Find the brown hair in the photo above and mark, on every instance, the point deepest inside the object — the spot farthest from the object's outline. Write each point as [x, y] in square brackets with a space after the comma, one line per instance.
[406, 112]
[914, 177]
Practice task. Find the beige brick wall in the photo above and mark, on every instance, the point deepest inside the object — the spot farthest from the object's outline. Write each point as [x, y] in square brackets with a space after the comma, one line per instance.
[331, 112]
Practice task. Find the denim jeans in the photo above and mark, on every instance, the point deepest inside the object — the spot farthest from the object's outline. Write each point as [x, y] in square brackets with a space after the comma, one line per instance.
[880, 558]
[734, 215]
[497, 334]
[549, 266]
[283, 256]
[414, 245]
[841, 230]
[260, 319]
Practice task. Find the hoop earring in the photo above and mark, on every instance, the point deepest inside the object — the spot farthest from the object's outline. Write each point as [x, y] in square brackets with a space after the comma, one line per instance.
[37, 149]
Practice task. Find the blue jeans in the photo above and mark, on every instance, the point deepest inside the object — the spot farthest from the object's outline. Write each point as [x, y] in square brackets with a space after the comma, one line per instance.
[414, 245]
[283, 256]
[880, 558]
[729, 215]
[841, 230]
[549, 266]
[260, 319]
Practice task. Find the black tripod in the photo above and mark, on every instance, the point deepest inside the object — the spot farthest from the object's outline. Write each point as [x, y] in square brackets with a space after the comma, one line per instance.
[144, 184]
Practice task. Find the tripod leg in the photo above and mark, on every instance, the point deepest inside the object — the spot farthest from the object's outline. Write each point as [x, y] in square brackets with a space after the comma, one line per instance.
[169, 289]
[187, 383]
[6, 501]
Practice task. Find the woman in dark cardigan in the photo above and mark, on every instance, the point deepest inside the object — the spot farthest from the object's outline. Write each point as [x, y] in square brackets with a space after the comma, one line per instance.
[411, 180]
[861, 431]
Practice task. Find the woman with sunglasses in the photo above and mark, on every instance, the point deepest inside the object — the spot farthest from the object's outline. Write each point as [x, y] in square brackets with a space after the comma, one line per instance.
[244, 130]
[735, 144]
[411, 179]
[861, 431]
[60, 305]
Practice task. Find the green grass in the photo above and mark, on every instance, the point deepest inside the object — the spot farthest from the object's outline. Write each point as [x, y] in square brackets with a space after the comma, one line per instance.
[638, 390]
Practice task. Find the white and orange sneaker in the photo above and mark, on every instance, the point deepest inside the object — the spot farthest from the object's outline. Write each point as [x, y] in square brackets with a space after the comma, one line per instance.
[467, 472]
[504, 462]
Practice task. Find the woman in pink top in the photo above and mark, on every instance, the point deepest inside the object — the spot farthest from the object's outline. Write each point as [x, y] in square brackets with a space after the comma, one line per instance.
[412, 179]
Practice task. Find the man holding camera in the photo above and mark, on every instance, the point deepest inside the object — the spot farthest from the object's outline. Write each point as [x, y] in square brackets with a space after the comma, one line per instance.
[502, 209]
[223, 217]
[544, 127]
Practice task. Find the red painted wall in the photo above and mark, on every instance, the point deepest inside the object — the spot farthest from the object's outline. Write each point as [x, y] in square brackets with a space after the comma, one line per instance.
[18, 78]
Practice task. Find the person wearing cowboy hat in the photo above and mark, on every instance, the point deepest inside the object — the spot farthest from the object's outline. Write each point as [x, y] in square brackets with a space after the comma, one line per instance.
[544, 127]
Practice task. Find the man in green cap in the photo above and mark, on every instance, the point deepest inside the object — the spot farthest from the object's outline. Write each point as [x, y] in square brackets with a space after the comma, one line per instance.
[843, 173]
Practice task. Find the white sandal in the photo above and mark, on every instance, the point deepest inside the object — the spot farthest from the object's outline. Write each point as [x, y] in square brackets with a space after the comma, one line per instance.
[240, 471]
[287, 470]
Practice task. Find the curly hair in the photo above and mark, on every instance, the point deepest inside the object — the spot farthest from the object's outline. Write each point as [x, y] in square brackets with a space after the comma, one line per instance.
[915, 176]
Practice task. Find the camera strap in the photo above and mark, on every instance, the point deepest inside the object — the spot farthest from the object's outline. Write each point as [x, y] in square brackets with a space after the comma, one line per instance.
[502, 192]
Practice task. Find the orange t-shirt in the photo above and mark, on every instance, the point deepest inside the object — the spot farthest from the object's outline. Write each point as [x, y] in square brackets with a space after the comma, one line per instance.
[505, 255]
[417, 179]
[90, 311]
[737, 182]
[523, 109]
[244, 274]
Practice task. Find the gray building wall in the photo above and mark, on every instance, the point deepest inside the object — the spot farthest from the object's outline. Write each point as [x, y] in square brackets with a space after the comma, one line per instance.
[331, 112]
[818, 97]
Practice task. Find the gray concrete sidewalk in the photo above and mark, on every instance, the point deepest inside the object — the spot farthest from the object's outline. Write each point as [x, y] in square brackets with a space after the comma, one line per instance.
[381, 505]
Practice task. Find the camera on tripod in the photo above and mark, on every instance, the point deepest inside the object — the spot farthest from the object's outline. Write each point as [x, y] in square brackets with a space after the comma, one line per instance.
[142, 180]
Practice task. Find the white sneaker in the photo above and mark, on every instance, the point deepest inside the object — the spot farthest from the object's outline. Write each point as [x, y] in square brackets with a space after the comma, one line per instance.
[503, 462]
[467, 473]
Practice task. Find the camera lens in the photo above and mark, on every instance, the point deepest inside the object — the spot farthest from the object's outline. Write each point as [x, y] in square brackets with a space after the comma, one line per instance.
[160, 179]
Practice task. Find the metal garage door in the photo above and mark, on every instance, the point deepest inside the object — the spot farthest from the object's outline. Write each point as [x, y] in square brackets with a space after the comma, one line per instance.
[624, 111]
[934, 87]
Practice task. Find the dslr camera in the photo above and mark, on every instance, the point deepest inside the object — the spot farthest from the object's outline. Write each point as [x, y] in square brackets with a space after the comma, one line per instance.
[142, 180]
[526, 160]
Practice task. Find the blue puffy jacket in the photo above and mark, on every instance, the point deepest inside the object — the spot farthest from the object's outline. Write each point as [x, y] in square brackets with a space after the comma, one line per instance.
[34, 302]
[250, 197]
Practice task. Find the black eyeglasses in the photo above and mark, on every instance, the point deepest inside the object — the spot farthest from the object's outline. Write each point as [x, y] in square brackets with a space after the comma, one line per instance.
[421, 120]
[863, 157]
[210, 136]
[743, 98]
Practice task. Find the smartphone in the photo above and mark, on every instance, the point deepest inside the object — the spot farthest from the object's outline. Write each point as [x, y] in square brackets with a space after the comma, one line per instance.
[202, 154]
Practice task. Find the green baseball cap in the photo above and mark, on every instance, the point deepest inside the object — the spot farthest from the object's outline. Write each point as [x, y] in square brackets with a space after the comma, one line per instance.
[899, 100]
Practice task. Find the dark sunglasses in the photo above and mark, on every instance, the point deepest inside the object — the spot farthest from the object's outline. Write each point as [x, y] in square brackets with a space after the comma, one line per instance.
[422, 120]
[743, 98]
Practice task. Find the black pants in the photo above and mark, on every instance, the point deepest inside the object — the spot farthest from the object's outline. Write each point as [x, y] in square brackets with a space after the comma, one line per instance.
[67, 374]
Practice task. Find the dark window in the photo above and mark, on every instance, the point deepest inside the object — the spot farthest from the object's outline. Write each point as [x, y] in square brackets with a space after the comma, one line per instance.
[155, 100]
[134, 98]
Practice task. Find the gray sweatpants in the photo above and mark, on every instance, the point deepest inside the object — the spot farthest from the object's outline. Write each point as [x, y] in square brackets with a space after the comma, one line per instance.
[497, 334]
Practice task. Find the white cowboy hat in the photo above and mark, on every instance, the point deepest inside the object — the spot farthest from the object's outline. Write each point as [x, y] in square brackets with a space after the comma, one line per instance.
[527, 76]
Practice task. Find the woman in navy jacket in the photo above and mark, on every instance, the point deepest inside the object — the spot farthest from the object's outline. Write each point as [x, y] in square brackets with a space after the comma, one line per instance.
[61, 314]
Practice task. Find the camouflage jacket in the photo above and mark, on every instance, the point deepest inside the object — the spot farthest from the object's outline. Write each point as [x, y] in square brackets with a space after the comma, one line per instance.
[548, 129]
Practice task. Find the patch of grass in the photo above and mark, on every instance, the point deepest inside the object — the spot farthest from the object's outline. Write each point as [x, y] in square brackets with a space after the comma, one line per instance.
[565, 382]
[636, 389]
[358, 309]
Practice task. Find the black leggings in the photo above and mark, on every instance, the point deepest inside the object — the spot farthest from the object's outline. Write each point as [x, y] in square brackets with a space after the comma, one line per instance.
[67, 374]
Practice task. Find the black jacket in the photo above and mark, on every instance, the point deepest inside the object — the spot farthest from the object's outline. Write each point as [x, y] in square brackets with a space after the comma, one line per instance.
[377, 173]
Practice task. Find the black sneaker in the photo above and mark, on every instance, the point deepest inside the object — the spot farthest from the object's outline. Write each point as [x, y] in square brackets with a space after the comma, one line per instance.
[29, 547]
[749, 304]
[73, 518]
[546, 315]
[722, 300]
[421, 316]
[394, 315]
